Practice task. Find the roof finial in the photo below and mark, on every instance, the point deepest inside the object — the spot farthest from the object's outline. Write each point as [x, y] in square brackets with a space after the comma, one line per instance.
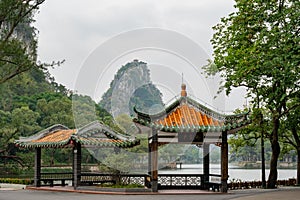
[183, 88]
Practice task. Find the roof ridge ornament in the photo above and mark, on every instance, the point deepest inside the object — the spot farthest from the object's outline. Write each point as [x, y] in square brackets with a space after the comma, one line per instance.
[183, 87]
[183, 90]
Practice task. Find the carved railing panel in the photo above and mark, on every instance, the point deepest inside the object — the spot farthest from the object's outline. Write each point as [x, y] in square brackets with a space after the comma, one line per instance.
[180, 180]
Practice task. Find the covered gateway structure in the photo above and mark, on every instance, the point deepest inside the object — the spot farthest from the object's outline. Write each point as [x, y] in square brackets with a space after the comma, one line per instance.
[186, 121]
[93, 135]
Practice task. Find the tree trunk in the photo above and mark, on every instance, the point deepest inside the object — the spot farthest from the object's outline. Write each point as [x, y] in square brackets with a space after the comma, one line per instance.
[275, 154]
[297, 139]
[263, 167]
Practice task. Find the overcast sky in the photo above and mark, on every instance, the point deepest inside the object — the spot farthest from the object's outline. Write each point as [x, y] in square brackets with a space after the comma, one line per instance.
[74, 29]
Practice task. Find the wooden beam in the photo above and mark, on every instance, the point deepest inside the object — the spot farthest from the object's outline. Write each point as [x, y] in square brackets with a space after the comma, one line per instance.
[224, 162]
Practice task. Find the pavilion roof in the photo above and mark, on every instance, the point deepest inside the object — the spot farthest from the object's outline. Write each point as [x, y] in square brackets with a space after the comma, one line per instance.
[188, 115]
[93, 134]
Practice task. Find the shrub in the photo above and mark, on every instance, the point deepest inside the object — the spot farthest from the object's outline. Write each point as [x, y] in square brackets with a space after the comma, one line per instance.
[16, 181]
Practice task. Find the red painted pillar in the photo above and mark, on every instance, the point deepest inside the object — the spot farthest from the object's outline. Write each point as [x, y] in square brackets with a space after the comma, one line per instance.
[224, 162]
[154, 161]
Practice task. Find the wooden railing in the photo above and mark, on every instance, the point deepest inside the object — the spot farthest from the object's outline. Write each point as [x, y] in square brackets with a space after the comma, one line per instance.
[57, 178]
[189, 181]
[175, 181]
[165, 181]
[93, 178]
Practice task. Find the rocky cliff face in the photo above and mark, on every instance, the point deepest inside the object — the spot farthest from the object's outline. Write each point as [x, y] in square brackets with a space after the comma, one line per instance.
[131, 87]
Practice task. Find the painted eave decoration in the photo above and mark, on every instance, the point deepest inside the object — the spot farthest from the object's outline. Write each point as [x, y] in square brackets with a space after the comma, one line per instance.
[187, 115]
[94, 134]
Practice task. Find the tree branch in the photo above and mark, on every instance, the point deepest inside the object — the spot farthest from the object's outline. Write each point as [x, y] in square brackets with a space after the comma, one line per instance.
[289, 141]
[289, 109]
[21, 16]
[296, 136]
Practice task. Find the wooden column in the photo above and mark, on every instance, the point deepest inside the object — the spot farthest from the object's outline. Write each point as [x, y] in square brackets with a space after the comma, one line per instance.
[154, 161]
[149, 157]
[37, 167]
[224, 162]
[205, 165]
[76, 165]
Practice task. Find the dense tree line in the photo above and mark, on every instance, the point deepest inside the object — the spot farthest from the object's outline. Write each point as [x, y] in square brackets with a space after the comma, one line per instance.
[257, 47]
[30, 98]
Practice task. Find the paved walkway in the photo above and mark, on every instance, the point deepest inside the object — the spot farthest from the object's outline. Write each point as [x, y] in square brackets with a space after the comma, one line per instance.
[286, 193]
[67, 193]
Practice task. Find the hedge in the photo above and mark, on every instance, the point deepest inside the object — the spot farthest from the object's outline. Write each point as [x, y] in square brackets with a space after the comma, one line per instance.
[16, 181]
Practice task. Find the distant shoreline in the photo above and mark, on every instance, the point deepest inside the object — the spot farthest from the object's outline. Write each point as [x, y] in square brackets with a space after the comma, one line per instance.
[257, 165]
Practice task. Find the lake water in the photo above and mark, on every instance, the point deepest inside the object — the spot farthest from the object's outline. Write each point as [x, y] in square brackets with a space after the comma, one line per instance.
[234, 172]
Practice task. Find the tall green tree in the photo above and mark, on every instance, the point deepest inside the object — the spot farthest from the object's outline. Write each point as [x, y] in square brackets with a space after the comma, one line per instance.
[58, 111]
[7, 132]
[257, 47]
[18, 41]
[25, 121]
[291, 133]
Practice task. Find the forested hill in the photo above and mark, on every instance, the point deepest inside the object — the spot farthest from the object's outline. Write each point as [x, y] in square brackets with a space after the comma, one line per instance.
[33, 101]
[131, 87]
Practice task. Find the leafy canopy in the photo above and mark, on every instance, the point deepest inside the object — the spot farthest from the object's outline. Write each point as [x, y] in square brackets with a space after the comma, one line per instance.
[18, 41]
[258, 47]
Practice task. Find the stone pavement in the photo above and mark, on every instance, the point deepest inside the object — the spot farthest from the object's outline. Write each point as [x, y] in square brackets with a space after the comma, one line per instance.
[68, 193]
[283, 193]
[4, 186]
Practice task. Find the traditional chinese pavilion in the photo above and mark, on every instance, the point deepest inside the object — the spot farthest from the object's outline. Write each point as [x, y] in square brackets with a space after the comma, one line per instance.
[93, 135]
[186, 121]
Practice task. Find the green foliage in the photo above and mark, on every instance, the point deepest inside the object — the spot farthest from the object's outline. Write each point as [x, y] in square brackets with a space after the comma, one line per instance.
[126, 124]
[30, 98]
[16, 181]
[171, 152]
[117, 163]
[258, 47]
[147, 99]
[25, 120]
[142, 148]
[7, 132]
[18, 42]
[84, 110]
[27, 156]
[192, 155]
[58, 111]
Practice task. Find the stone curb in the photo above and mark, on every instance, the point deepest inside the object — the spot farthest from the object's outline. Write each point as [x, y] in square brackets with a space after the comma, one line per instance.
[6, 186]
